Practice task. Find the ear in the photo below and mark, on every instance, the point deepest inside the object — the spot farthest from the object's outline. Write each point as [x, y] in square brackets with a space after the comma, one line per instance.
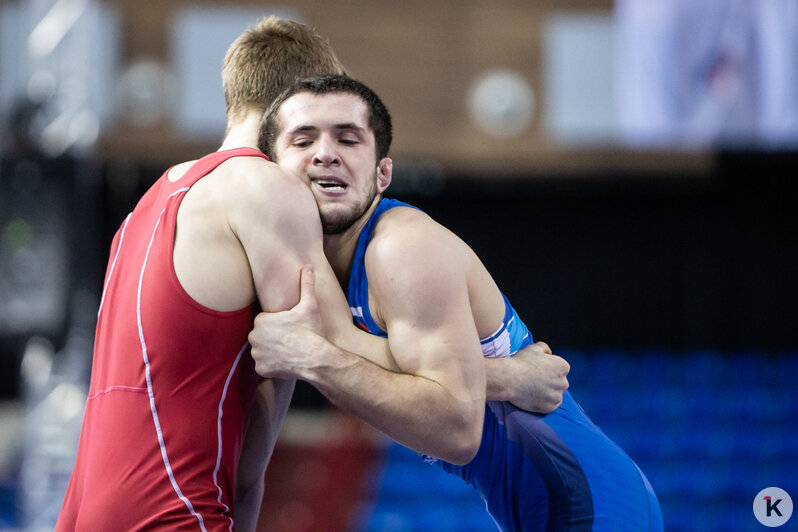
[384, 173]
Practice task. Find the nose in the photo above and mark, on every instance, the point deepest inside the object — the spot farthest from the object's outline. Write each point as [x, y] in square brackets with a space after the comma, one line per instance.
[326, 153]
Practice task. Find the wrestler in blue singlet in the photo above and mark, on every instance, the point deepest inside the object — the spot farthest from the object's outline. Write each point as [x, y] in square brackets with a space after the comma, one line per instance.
[557, 472]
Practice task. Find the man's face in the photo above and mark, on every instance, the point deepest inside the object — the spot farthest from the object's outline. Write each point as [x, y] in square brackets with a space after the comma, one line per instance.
[326, 139]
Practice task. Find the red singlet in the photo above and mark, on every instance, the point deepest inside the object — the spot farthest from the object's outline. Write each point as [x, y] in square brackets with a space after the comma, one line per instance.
[171, 389]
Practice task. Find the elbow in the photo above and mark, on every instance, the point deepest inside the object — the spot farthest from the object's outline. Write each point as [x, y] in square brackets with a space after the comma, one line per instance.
[462, 455]
[465, 450]
[465, 440]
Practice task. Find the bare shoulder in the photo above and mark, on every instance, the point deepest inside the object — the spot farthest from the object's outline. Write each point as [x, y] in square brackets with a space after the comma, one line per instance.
[179, 170]
[417, 265]
[405, 233]
[253, 187]
[409, 247]
[254, 175]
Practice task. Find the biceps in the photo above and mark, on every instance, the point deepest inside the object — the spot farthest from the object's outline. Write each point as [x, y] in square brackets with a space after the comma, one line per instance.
[278, 238]
[447, 353]
[276, 258]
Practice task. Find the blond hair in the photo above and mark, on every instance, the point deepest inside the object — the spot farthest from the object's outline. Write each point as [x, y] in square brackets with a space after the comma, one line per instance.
[266, 59]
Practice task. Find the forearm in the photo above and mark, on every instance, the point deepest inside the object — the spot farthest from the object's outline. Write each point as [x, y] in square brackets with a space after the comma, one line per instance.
[248, 502]
[499, 378]
[415, 411]
[342, 332]
[373, 348]
[435, 405]
[271, 403]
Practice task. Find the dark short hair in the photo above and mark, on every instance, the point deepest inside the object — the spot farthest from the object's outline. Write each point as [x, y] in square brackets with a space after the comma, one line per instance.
[379, 117]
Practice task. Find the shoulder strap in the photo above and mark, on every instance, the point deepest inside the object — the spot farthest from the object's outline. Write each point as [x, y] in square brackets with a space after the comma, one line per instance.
[358, 287]
[212, 160]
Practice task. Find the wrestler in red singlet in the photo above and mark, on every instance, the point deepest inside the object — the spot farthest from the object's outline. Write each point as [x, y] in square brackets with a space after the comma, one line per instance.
[171, 388]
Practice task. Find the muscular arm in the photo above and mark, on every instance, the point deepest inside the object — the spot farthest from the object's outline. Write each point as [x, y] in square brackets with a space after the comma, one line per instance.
[273, 216]
[432, 397]
[418, 281]
[436, 405]
[534, 379]
[276, 221]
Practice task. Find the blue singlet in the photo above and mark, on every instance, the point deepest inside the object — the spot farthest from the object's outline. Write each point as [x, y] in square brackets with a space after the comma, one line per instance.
[557, 472]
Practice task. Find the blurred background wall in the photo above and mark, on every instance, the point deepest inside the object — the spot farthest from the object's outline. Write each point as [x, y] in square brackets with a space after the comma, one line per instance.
[644, 154]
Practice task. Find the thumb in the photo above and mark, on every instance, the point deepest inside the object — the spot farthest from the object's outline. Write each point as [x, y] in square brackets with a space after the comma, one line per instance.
[307, 283]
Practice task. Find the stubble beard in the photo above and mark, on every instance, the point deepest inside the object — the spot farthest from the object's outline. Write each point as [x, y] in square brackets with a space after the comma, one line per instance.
[341, 219]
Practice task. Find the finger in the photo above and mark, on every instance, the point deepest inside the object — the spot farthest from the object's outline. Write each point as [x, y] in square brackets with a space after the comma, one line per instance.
[308, 304]
[564, 365]
[544, 346]
[307, 283]
[307, 279]
[252, 337]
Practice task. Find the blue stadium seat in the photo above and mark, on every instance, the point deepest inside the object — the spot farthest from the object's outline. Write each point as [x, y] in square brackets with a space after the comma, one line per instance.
[709, 429]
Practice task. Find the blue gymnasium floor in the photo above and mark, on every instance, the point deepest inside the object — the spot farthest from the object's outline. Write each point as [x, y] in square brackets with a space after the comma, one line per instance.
[709, 429]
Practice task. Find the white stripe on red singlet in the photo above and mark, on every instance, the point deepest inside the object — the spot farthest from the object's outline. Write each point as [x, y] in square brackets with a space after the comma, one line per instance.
[113, 264]
[219, 433]
[150, 392]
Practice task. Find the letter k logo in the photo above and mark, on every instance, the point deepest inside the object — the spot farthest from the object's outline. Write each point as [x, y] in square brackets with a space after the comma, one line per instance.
[772, 506]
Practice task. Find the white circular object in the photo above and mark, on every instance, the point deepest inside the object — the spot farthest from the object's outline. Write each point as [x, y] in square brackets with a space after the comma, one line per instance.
[147, 89]
[772, 507]
[41, 86]
[501, 103]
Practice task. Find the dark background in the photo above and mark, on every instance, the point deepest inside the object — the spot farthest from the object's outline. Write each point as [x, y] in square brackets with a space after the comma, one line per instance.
[623, 260]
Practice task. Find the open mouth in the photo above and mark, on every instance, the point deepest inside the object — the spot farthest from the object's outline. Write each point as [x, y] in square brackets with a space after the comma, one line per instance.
[330, 184]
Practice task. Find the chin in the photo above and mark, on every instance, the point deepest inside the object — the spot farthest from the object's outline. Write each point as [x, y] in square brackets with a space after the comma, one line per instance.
[335, 223]
[336, 227]
[336, 219]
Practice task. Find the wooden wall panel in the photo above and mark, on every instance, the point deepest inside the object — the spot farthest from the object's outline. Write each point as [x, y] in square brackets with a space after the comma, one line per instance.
[421, 57]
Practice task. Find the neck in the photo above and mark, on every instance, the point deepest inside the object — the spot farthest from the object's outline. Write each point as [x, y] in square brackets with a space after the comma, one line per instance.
[243, 133]
[340, 248]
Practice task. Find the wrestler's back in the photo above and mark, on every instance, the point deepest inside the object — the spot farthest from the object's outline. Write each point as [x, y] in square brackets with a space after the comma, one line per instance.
[170, 392]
